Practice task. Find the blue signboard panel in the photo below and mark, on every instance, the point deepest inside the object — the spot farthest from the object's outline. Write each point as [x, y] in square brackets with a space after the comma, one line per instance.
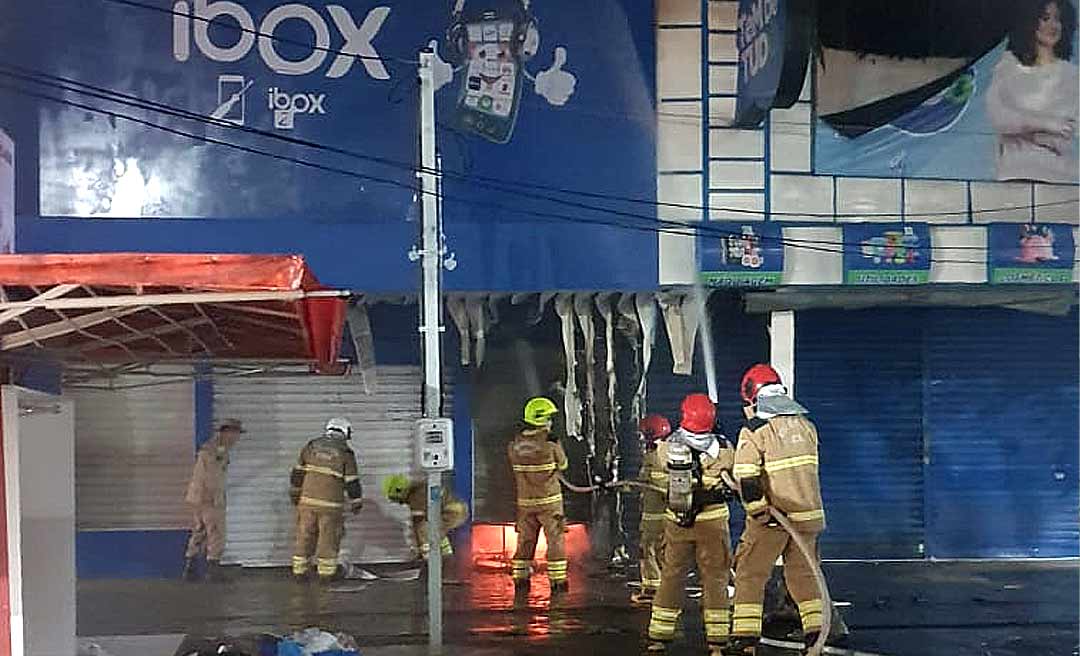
[741, 255]
[886, 254]
[1028, 253]
[526, 96]
[760, 41]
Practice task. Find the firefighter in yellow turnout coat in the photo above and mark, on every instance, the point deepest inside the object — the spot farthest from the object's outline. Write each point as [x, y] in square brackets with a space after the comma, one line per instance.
[322, 479]
[695, 525]
[536, 460]
[413, 493]
[776, 465]
[653, 429]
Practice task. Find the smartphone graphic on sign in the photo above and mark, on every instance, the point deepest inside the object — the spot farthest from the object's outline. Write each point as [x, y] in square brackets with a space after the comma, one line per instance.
[491, 88]
[231, 105]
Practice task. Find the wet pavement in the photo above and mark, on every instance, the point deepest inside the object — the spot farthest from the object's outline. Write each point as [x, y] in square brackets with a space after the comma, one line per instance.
[901, 609]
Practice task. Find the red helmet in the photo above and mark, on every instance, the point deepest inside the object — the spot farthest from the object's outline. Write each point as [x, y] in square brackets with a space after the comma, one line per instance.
[755, 378]
[698, 414]
[654, 427]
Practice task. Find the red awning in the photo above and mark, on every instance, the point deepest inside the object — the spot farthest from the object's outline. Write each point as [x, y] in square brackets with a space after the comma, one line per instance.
[137, 307]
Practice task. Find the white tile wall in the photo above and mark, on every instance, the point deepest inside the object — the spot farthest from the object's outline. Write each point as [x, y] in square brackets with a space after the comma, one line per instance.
[748, 174]
[935, 201]
[678, 136]
[722, 15]
[789, 150]
[721, 111]
[812, 256]
[682, 189]
[677, 76]
[723, 78]
[736, 143]
[722, 48]
[721, 204]
[678, 12]
[866, 198]
[959, 254]
[1057, 203]
[794, 195]
[985, 196]
[678, 265]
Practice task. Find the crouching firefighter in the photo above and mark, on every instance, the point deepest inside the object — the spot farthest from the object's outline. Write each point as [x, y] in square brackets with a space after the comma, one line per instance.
[652, 429]
[695, 525]
[413, 493]
[776, 466]
[536, 458]
[322, 479]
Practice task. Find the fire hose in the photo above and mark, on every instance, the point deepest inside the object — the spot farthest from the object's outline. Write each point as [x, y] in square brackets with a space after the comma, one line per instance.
[815, 568]
[800, 543]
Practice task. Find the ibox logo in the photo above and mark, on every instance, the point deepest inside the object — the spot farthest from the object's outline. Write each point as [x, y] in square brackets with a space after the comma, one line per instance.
[357, 39]
[286, 106]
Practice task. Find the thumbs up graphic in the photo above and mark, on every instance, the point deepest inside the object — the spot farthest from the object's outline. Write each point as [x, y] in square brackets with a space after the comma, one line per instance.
[555, 84]
[443, 72]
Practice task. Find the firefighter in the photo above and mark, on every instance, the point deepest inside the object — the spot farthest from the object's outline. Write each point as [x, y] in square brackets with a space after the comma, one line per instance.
[536, 458]
[695, 525]
[652, 429]
[776, 466]
[413, 493]
[206, 496]
[321, 481]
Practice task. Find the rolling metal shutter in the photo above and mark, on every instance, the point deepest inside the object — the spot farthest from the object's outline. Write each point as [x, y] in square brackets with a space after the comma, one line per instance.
[1002, 416]
[281, 414]
[133, 455]
[860, 375]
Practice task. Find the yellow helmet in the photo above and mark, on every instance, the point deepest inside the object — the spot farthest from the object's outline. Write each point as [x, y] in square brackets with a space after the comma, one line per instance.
[395, 487]
[538, 411]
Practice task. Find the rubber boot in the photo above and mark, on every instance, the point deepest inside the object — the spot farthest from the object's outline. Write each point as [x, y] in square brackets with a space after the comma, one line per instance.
[742, 646]
[560, 588]
[214, 573]
[189, 574]
[810, 638]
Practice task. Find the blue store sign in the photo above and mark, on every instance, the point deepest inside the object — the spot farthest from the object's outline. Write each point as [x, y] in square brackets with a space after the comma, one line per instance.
[526, 95]
[773, 39]
[1030, 253]
[741, 255]
[886, 254]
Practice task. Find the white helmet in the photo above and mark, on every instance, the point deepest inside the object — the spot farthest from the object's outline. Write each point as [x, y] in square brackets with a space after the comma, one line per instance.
[340, 425]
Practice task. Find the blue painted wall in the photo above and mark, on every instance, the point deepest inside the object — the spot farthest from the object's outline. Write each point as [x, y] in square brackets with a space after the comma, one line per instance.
[129, 554]
[372, 257]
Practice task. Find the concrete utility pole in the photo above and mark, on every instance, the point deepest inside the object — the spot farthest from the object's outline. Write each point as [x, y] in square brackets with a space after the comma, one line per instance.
[431, 325]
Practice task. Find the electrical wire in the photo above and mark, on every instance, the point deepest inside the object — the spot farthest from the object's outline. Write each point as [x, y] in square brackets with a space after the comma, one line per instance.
[663, 227]
[488, 182]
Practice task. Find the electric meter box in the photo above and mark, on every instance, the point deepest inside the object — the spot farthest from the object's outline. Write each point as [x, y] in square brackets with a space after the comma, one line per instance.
[435, 438]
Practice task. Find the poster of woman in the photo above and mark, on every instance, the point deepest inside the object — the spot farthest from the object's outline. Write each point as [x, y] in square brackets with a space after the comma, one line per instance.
[1034, 97]
[948, 89]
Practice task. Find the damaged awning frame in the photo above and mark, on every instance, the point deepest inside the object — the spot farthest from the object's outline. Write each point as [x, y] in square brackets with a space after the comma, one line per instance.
[118, 310]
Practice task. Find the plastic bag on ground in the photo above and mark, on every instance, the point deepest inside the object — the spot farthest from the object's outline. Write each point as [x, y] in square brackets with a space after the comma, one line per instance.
[316, 642]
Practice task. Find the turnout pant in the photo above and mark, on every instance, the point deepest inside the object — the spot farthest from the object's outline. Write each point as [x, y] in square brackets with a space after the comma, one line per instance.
[758, 550]
[652, 553]
[707, 543]
[207, 532]
[529, 523]
[318, 533]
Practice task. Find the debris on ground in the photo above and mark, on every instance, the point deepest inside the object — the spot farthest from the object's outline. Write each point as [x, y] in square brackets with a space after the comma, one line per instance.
[87, 648]
[316, 642]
